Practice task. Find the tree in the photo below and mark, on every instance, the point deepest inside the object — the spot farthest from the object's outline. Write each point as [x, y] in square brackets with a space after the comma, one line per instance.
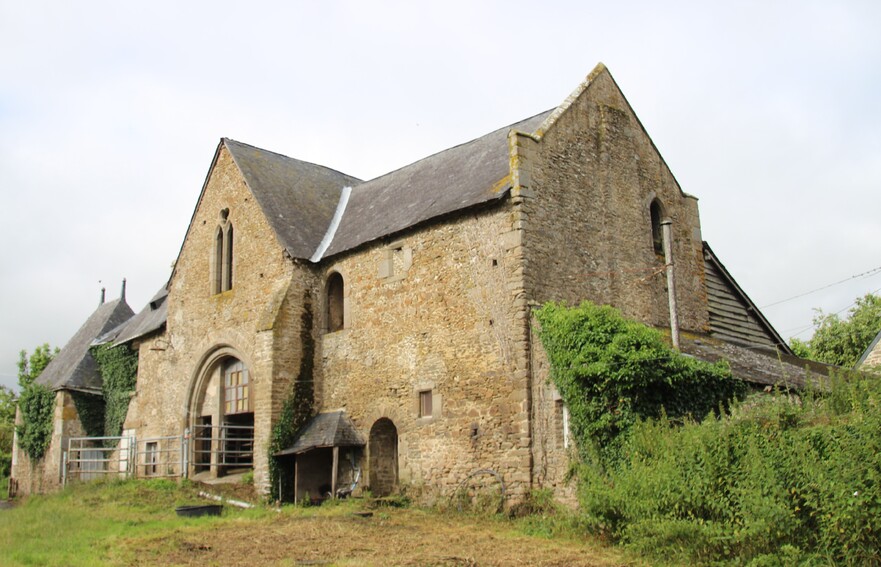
[842, 341]
[29, 367]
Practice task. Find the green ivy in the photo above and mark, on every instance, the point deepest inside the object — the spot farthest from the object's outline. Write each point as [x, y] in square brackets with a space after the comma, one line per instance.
[119, 373]
[297, 410]
[90, 409]
[612, 372]
[37, 406]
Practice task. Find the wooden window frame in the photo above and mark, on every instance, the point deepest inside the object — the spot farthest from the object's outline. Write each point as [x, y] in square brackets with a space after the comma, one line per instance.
[236, 389]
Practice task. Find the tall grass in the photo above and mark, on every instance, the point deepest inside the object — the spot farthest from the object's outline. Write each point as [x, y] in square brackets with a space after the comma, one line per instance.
[782, 480]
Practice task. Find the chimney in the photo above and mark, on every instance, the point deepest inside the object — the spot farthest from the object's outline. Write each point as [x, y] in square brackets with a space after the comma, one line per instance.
[103, 291]
[122, 293]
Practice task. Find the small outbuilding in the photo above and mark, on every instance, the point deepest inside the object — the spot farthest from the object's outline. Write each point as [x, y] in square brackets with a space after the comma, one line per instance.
[318, 470]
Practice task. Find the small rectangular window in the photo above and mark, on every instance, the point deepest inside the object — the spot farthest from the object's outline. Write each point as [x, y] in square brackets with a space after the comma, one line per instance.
[425, 403]
[151, 458]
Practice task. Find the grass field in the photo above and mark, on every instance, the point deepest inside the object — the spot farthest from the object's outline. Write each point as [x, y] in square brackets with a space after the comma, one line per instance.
[134, 523]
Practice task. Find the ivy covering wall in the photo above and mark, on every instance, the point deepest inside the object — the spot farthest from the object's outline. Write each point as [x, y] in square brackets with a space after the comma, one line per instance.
[90, 409]
[37, 406]
[296, 412]
[119, 371]
[612, 372]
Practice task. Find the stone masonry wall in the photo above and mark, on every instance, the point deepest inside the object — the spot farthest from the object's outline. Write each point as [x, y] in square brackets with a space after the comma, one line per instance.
[202, 327]
[592, 177]
[45, 475]
[585, 184]
[440, 310]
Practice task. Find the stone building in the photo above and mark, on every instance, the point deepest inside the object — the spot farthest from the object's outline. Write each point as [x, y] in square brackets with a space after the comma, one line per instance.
[73, 377]
[405, 301]
[871, 358]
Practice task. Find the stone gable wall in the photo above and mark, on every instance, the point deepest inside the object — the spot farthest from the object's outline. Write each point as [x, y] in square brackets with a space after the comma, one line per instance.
[267, 288]
[439, 309]
[592, 178]
[584, 188]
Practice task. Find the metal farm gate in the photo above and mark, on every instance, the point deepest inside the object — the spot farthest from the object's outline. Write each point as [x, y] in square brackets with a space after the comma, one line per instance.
[90, 458]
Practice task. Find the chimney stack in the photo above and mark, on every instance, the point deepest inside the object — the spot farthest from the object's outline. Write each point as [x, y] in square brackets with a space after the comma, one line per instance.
[122, 294]
[103, 290]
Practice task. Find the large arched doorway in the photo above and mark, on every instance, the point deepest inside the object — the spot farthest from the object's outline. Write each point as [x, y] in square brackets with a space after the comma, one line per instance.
[222, 417]
[383, 447]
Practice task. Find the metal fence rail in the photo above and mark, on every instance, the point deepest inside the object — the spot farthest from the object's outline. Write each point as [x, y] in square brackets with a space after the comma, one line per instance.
[161, 456]
[89, 458]
[225, 446]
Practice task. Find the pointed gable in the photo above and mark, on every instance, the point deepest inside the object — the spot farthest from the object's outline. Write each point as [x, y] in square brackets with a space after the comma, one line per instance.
[74, 368]
[297, 197]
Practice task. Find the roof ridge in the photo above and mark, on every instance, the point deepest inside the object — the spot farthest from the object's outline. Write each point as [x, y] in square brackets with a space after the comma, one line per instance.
[445, 150]
[230, 140]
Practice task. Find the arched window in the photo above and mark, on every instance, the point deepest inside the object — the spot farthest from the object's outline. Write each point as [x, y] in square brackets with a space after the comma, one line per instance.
[656, 209]
[217, 280]
[222, 255]
[335, 306]
[227, 261]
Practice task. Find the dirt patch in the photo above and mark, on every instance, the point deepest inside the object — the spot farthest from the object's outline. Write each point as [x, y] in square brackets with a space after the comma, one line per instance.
[393, 537]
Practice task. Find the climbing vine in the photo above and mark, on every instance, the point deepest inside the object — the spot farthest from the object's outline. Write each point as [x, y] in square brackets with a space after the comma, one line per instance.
[37, 406]
[119, 372]
[296, 411]
[613, 372]
[90, 409]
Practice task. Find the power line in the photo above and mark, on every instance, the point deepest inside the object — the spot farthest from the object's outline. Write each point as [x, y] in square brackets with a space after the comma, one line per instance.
[811, 325]
[865, 274]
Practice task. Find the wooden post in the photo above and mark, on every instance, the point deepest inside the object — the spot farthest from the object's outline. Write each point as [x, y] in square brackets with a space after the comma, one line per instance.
[296, 480]
[666, 225]
[333, 473]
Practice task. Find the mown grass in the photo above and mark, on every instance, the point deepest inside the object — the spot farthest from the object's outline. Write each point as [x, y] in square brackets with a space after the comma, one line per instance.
[134, 523]
[84, 525]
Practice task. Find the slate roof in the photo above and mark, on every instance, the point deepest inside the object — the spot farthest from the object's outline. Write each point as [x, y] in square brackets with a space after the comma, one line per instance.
[457, 178]
[332, 429]
[149, 319]
[757, 365]
[74, 368]
[297, 197]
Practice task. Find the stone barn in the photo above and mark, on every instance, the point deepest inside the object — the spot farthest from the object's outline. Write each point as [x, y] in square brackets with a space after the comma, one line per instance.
[403, 303]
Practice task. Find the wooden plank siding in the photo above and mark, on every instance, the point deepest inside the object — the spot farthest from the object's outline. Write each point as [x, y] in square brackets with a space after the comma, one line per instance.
[733, 316]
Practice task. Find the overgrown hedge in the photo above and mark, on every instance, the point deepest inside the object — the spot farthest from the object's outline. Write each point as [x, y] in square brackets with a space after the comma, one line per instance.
[779, 481]
[612, 372]
[782, 480]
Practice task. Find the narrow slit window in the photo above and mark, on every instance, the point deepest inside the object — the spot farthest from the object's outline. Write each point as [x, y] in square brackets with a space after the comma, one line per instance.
[425, 403]
[217, 284]
[657, 212]
[335, 303]
[227, 261]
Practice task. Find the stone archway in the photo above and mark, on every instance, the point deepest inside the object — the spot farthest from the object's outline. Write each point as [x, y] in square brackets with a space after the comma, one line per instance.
[220, 415]
[383, 464]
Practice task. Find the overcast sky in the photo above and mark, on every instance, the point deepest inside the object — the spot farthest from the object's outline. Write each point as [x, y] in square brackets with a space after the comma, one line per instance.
[110, 112]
